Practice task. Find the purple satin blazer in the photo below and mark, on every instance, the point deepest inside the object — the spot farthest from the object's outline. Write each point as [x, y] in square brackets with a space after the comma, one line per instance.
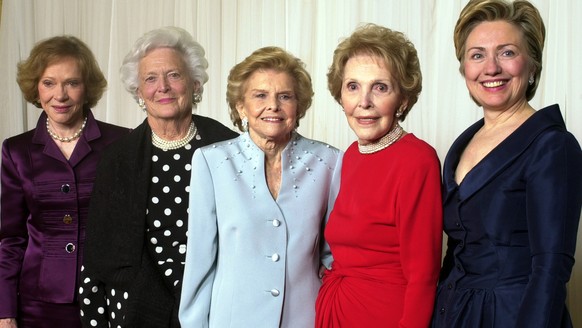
[43, 213]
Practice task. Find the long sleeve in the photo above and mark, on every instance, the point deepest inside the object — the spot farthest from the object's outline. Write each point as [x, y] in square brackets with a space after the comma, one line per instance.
[553, 200]
[93, 301]
[202, 247]
[420, 235]
[325, 253]
[13, 234]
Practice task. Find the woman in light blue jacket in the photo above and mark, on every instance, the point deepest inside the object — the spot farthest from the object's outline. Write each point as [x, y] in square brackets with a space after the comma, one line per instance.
[258, 204]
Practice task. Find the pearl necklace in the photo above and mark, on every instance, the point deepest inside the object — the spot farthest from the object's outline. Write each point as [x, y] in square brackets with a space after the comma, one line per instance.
[175, 144]
[65, 139]
[390, 138]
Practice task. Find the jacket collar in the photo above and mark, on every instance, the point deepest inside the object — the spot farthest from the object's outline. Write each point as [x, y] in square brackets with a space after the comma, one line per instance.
[500, 157]
[82, 148]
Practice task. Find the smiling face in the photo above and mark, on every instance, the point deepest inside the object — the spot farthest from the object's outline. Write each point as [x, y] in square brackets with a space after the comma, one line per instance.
[370, 98]
[270, 106]
[61, 92]
[165, 85]
[496, 65]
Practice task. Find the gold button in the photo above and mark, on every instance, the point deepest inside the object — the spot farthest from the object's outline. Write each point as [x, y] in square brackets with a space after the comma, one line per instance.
[67, 219]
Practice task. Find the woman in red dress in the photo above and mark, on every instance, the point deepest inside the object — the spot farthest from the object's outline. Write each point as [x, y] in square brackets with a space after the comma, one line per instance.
[385, 230]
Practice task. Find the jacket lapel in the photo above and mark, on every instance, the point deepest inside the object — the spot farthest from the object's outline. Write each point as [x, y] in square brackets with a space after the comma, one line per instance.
[500, 157]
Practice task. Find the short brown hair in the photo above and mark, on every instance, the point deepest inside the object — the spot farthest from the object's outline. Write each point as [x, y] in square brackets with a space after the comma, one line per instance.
[520, 13]
[53, 50]
[393, 47]
[274, 58]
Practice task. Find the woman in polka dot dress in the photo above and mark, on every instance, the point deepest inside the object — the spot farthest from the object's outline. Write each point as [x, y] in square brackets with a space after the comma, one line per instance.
[138, 219]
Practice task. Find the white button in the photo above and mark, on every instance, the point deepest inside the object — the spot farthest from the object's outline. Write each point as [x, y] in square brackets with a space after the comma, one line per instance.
[276, 223]
[275, 257]
[275, 292]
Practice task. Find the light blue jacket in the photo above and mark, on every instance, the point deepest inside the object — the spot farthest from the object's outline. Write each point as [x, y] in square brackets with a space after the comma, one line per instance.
[253, 261]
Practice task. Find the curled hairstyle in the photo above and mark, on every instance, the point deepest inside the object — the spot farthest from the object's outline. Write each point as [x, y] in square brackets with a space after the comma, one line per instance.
[51, 51]
[268, 58]
[521, 14]
[166, 37]
[395, 50]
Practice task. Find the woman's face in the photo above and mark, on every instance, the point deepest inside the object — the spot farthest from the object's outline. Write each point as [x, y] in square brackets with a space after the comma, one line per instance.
[61, 92]
[270, 105]
[496, 65]
[165, 85]
[370, 97]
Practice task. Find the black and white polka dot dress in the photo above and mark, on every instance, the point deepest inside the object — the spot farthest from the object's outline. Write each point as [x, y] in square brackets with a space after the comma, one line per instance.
[166, 224]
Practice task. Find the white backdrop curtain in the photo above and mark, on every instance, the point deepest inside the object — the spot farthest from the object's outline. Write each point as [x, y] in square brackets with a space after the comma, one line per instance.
[230, 30]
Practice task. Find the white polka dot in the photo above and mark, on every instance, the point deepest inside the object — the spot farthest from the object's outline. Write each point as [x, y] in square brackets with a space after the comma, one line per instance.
[108, 302]
[168, 272]
[179, 223]
[94, 323]
[177, 156]
[95, 289]
[155, 200]
[82, 268]
[80, 290]
[125, 295]
[182, 249]
[119, 306]
[167, 233]
[160, 263]
[82, 313]
[100, 310]
[177, 178]
[87, 280]
[174, 244]
[170, 260]
[154, 241]
[187, 189]
[112, 315]
[159, 249]
[176, 282]
[166, 168]
[168, 211]
[155, 179]
[157, 223]
[178, 200]
[166, 189]
[189, 146]
[188, 167]
[87, 301]
[155, 158]
[112, 292]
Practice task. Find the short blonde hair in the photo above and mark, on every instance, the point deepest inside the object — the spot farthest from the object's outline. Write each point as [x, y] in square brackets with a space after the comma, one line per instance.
[274, 58]
[521, 14]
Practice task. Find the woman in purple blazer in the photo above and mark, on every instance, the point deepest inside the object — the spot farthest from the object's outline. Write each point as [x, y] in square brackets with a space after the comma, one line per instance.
[47, 179]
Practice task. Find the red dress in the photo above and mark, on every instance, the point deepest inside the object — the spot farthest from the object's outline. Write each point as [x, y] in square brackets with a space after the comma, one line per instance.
[385, 234]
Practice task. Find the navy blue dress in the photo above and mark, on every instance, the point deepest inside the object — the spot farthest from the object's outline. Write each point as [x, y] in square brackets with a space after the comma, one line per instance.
[512, 226]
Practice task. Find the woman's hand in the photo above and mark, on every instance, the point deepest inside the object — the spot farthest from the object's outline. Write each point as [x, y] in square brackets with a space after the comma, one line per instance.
[322, 269]
[8, 323]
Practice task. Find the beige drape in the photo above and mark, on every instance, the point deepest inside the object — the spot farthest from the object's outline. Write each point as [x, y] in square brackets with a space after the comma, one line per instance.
[230, 30]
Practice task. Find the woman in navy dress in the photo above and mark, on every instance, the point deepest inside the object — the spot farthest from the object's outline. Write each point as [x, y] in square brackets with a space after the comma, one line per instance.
[512, 182]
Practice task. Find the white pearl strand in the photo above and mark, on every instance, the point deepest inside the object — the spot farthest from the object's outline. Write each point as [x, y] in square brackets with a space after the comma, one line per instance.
[390, 138]
[158, 142]
[65, 139]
